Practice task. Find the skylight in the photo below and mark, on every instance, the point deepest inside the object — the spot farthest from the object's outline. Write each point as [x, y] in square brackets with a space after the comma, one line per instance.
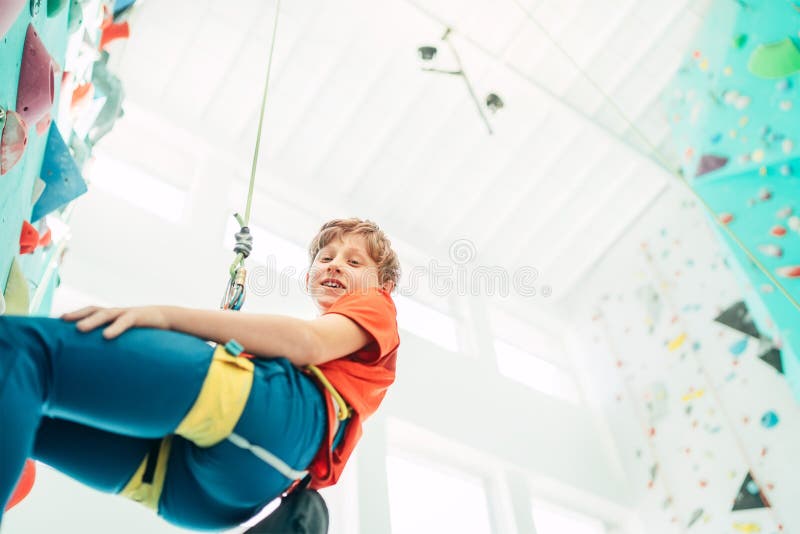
[535, 372]
[426, 322]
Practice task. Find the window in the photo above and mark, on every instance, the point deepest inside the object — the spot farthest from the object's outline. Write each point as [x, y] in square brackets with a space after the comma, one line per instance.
[430, 499]
[551, 519]
[535, 372]
[426, 322]
[137, 187]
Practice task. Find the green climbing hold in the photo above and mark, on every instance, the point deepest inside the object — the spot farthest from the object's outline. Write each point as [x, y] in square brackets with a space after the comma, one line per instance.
[740, 40]
[775, 60]
[54, 6]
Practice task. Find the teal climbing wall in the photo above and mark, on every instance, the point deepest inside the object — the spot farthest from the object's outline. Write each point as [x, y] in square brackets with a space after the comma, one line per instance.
[16, 186]
[734, 109]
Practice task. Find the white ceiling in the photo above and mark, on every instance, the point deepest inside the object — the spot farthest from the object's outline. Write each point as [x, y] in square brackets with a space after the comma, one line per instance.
[354, 127]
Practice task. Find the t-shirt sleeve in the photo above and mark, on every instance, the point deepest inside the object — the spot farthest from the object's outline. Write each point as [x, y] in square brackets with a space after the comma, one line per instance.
[374, 311]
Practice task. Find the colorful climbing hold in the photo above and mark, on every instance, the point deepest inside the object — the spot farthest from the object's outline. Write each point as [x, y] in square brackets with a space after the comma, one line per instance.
[36, 79]
[757, 155]
[771, 250]
[775, 60]
[693, 395]
[792, 271]
[787, 146]
[742, 102]
[725, 218]
[778, 231]
[13, 140]
[764, 194]
[784, 212]
[709, 163]
[738, 347]
[676, 343]
[769, 419]
[747, 528]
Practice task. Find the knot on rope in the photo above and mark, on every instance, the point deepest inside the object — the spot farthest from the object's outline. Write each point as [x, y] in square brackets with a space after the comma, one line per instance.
[235, 292]
[244, 242]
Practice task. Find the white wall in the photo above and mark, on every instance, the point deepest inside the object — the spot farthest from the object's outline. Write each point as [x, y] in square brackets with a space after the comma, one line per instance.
[688, 405]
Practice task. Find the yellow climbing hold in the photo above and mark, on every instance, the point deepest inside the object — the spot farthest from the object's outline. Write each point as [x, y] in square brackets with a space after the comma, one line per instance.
[743, 121]
[747, 528]
[693, 395]
[17, 293]
[677, 342]
[727, 71]
[757, 155]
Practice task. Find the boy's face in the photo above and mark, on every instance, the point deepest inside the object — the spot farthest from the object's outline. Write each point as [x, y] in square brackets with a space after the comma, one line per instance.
[343, 266]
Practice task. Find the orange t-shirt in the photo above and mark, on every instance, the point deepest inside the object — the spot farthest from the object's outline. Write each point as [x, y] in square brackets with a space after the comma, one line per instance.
[361, 378]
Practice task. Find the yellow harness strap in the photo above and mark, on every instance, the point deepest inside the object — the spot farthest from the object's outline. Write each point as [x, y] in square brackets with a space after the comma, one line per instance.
[221, 400]
[145, 488]
[344, 409]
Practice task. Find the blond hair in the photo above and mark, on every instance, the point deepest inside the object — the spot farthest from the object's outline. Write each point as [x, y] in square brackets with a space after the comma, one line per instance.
[379, 247]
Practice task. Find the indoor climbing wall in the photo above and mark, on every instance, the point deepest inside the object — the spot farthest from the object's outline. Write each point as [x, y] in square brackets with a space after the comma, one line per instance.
[57, 99]
[694, 394]
[734, 109]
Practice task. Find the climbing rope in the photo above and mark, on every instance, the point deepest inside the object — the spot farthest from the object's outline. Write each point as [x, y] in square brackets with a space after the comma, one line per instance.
[235, 291]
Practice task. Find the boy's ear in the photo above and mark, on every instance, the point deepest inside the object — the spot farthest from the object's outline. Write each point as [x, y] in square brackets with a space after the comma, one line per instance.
[388, 286]
[307, 274]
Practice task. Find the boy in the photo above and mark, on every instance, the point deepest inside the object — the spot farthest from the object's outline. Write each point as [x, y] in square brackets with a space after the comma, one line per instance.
[146, 408]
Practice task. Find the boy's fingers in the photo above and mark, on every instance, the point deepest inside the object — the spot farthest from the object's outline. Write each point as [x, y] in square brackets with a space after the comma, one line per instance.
[122, 323]
[96, 319]
[79, 314]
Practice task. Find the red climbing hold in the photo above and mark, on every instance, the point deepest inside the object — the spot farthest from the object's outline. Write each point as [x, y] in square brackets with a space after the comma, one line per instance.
[792, 271]
[725, 218]
[28, 239]
[24, 484]
[778, 231]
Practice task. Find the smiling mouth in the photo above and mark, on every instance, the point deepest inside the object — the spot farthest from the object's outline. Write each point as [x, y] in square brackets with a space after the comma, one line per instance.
[335, 284]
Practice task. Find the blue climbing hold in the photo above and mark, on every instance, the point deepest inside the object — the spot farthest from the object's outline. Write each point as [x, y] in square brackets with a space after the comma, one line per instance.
[738, 348]
[769, 419]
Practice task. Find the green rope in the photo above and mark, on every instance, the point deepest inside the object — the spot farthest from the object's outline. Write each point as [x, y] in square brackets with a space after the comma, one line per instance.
[239, 260]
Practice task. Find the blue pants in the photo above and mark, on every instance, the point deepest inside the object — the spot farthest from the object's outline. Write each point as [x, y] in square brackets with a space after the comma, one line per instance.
[92, 408]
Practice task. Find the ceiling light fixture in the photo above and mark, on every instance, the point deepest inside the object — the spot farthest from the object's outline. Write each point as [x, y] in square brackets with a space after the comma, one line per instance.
[493, 102]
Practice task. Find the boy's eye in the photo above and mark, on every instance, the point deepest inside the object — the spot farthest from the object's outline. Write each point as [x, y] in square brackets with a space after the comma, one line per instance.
[326, 258]
[354, 262]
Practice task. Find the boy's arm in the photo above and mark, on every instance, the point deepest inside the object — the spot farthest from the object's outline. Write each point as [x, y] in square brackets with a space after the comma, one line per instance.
[302, 342]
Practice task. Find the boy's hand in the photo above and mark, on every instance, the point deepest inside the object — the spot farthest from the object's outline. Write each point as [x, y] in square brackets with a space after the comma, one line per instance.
[121, 319]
